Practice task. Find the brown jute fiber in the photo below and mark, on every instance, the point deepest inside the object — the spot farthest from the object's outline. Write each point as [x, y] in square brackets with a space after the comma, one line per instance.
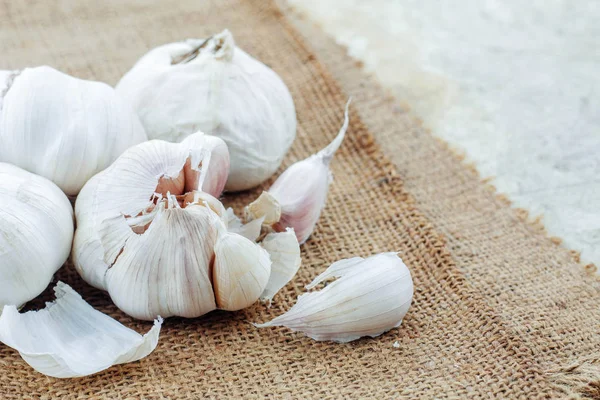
[499, 310]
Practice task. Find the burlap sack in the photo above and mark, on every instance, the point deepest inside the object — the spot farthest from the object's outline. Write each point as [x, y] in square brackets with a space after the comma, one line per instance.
[499, 309]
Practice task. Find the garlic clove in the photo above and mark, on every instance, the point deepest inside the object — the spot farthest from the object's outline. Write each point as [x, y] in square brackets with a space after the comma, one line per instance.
[63, 128]
[300, 193]
[166, 269]
[36, 231]
[284, 250]
[370, 297]
[217, 160]
[240, 273]
[76, 340]
[251, 230]
[212, 85]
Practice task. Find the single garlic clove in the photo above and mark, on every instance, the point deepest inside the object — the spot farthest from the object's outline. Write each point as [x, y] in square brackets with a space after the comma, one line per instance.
[212, 85]
[63, 128]
[76, 340]
[240, 273]
[370, 297]
[300, 193]
[36, 231]
[284, 250]
[217, 160]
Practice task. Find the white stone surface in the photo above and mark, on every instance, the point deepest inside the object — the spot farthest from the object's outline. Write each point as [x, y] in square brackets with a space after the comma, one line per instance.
[513, 84]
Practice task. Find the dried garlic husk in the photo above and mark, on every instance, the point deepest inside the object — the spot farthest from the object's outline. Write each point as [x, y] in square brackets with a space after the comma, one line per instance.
[76, 340]
[36, 231]
[371, 296]
[214, 86]
[298, 196]
[157, 243]
[63, 128]
[284, 249]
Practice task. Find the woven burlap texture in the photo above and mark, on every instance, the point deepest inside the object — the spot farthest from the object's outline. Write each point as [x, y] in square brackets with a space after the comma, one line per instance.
[481, 325]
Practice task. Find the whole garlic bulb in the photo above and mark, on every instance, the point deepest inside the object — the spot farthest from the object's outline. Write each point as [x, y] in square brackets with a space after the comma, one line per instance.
[214, 86]
[36, 231]
[63, 128]
[149, 235]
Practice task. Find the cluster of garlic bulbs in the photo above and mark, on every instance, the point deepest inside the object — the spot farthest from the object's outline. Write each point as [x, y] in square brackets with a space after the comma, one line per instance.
[151, 230]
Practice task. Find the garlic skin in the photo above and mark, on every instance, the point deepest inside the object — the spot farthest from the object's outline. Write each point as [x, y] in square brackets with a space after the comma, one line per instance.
[299, 194]
[214, 86]
[371, 296]
[63, 128]
[149, 235]
[284, 249]
[36, 231]
[76, 340]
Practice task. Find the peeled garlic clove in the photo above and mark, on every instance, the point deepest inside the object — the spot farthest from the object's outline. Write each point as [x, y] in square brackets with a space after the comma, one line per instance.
[370, 297]
[284, 250]
[76, 340]
[36, 231]
[151, 248]
[212, 85]
[300, 193]
[240, 272]
[63, 128]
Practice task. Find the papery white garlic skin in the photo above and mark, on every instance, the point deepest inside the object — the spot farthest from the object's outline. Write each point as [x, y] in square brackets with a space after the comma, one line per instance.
[240, 273]
[70, 339]
[220, 90]
[36, 231]
[284, 249]
[370, 297]
[299, 194]
[63, 128]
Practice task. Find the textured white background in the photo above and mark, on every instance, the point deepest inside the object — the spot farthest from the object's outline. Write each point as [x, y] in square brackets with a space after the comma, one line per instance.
[513, 84]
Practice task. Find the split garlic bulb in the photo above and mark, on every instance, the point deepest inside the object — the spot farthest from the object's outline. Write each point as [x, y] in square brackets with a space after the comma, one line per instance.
[149, 235]
[63, 128]
[298, 196]
[36, 231]
[214, 86]
[371, 296]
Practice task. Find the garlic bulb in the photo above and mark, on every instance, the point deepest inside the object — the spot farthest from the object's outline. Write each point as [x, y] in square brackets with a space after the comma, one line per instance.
[76, 340]
[284, 250]
[371, 296]
[159, 245]
[298, 196]
[63, 128]
[214, 86]
[36, 231]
